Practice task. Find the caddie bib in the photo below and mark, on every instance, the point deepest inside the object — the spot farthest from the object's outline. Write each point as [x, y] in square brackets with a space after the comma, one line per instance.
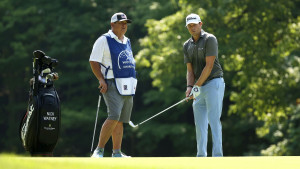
[123, 66]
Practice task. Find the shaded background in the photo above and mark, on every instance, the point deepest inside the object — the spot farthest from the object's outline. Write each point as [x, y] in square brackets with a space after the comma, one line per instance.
[258, 48]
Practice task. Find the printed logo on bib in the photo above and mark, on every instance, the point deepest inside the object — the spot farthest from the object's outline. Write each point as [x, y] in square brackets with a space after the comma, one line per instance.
[125, 60]
[125, 87]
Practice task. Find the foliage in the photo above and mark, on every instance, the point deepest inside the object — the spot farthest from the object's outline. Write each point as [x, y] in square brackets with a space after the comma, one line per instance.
[285, 136]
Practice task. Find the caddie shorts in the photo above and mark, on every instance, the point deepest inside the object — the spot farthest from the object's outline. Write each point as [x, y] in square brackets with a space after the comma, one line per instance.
[118, 107]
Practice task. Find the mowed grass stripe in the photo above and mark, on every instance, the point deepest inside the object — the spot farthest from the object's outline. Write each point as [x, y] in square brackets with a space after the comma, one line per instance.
[283, 162]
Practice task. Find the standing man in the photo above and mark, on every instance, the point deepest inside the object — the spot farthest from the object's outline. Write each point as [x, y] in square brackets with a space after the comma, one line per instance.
[205, 84]
[113, 65]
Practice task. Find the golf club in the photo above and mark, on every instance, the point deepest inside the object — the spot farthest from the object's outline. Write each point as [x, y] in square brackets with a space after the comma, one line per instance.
[95, 123]
[133, 125]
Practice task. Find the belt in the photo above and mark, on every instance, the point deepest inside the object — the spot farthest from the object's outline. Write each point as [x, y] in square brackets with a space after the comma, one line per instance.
[110, 79]
[215, 78]
[211, 79]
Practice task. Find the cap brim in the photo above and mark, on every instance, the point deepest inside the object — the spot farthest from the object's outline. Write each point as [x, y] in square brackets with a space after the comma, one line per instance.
[127, 20]
[195, 22]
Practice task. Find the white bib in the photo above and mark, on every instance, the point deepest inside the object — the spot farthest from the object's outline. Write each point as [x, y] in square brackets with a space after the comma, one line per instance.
[126, 86]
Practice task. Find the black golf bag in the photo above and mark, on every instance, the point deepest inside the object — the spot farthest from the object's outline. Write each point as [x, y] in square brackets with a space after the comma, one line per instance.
[40, 125]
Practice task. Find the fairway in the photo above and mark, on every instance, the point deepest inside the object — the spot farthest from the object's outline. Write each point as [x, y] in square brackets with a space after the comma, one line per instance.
[286, 162]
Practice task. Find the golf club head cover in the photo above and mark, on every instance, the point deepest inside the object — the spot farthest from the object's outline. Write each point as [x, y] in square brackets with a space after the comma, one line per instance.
[195, 91]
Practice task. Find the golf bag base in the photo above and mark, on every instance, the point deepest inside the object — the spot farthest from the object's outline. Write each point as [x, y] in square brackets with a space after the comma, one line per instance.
[42, 154]
[40, 125]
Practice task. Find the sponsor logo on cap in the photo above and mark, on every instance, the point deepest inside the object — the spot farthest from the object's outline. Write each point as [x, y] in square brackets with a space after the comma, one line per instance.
[190, 18]
[123, 16]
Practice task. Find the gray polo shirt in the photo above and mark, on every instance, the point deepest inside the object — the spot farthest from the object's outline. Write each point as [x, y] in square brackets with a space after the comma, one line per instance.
[195, 53]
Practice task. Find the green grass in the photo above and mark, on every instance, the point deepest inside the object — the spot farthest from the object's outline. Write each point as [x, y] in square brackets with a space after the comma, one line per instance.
[9, 161]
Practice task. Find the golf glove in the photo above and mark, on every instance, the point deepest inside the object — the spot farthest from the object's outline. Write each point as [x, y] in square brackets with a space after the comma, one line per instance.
[195, 91]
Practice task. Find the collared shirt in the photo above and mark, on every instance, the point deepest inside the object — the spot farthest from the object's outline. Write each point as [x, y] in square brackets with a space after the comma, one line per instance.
[101, 53]
[196, 52]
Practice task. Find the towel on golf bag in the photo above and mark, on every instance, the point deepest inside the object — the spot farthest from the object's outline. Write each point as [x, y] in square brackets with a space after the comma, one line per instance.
[40, 126]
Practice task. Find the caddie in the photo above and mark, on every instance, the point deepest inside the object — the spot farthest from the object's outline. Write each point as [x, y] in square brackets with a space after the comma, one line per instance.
[113, 65]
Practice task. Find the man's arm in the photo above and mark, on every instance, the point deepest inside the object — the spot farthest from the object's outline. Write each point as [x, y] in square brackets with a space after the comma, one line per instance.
[190, 79]
[207, 70]
[96, 68]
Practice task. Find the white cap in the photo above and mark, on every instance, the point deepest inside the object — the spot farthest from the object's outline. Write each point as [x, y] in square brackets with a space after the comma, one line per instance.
[192, 18]
[119, 17]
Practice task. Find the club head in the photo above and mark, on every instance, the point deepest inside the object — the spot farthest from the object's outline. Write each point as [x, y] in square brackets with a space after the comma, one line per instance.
[132, 125]
[38, 54]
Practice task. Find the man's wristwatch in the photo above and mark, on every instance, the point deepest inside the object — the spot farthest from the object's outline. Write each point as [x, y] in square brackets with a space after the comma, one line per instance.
[190, 86]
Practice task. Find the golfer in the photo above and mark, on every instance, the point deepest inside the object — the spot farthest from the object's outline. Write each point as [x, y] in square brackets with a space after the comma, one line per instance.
[113, 65]
[205, 84]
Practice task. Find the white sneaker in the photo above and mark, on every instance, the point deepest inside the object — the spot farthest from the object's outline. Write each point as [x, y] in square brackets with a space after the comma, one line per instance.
[120, 155]
[97, 153]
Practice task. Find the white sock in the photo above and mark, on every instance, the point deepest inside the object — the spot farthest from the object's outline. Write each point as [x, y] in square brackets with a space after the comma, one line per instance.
[100, 149]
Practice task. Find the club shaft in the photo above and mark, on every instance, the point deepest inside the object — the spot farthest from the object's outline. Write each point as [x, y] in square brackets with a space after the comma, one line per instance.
[99, 100]
[163, 111]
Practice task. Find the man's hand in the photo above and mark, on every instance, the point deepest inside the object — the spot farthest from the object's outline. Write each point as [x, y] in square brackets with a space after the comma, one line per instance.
[195, 91]
[102, 86]
[188, 91]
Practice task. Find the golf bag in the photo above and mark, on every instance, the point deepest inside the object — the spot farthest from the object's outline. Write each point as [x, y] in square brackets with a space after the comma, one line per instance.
[40, 125]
